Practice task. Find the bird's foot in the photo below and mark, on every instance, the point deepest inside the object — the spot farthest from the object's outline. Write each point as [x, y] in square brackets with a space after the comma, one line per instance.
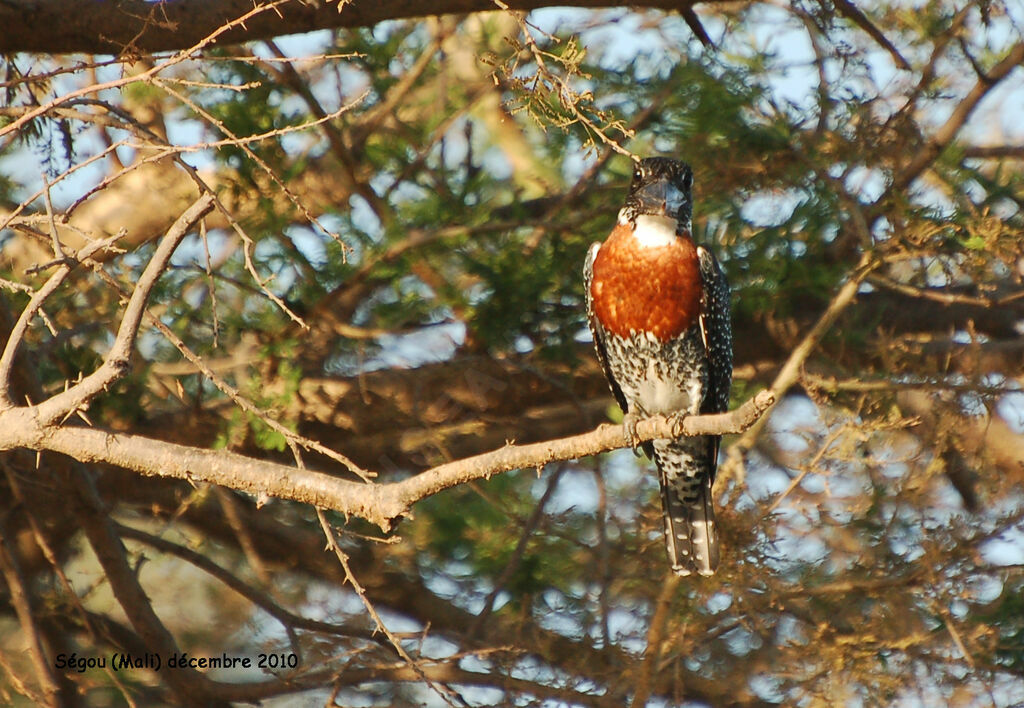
[629, 423]
[676, 421]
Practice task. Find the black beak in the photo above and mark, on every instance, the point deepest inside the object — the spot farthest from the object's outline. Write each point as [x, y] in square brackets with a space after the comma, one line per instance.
[662, 198]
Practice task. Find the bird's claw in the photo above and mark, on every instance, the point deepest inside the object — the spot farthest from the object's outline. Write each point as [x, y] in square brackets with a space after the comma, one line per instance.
[629, 423]
[676, 421]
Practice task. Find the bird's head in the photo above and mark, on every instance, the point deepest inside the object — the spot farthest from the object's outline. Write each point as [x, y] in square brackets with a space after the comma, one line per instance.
[661, 188]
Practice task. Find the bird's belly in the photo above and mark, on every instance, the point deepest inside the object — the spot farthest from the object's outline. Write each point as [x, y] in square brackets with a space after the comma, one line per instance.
[660, 378]
[659, 394]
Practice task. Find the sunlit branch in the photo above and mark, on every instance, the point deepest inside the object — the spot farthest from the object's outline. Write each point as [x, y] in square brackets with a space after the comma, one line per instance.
[208, 37]
[380, 504]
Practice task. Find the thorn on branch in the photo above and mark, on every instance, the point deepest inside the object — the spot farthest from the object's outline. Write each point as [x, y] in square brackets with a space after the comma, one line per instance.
[39, 268]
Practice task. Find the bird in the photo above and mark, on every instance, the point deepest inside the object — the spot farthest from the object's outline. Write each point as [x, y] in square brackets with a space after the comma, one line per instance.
[658, 307]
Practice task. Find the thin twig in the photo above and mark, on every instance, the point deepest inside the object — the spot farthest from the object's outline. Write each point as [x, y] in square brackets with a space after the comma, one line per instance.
[117, 359]
[565, 92]
[835, 435]
[446, 694]
[153, 71]
[258, 597]
[953, 632]
[517, 555]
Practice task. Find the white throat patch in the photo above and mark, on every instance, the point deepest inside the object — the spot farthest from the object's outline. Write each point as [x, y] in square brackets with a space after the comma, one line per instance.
[654, 231]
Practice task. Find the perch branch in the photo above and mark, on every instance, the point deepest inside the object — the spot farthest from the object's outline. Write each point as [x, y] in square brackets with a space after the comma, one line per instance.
[379, 504]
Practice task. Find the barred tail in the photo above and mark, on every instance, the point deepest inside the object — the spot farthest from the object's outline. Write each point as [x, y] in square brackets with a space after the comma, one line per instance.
[691, 534]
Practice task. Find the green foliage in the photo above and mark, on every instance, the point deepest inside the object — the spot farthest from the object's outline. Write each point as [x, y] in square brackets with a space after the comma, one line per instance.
[450, 534]
[1007, 613]
[536, 302]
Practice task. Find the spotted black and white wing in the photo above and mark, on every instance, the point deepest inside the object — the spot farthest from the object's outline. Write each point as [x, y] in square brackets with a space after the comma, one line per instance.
[716, 332]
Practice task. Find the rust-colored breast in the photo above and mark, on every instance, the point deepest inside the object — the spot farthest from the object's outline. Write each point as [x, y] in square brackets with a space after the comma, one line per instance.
[637, 289]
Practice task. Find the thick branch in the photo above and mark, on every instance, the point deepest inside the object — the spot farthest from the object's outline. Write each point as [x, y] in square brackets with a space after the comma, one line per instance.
[63, 26]
[377, 503]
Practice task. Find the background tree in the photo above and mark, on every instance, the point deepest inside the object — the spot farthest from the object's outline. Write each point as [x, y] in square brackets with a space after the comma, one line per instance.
[317, 270]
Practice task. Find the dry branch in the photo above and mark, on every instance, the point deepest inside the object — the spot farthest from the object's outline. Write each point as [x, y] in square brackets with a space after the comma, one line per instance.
[790, 371]
[64, 26]
[117, 358]
[380, 504]
[949, 130]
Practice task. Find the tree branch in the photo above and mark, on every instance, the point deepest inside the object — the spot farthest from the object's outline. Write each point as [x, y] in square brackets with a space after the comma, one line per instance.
[994, 152]
[217, 32]
[116, 360]
[790, 371]
[65, 26]
[951, 128]
[850, 11]
[379, 504]
[21, 599]
[263, 600]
